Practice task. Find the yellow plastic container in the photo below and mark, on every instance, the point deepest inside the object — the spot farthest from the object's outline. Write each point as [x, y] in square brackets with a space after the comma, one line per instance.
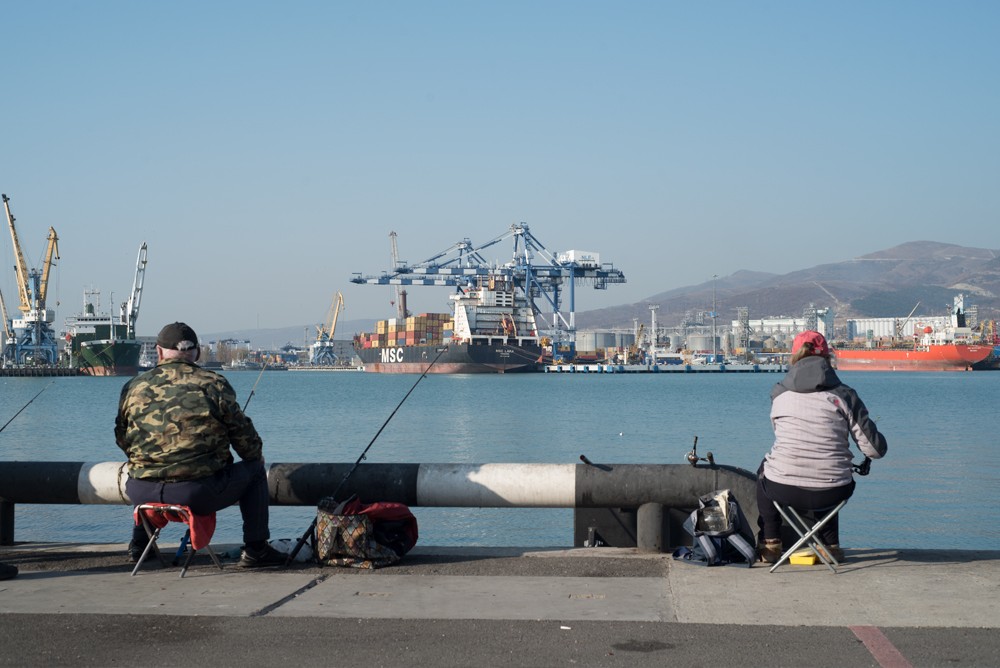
[803, 558]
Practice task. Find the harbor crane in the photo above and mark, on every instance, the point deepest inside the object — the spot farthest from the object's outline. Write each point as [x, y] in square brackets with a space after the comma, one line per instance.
[398, 295]
[322, 349]
[540, 274]
[34, 342]
[130, 309]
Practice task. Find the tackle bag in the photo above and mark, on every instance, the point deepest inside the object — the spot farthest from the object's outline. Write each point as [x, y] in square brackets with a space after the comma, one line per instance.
[719, 533]
[350, 533]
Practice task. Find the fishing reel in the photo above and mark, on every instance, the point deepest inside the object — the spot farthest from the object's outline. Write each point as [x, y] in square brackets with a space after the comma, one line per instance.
[693, 457]
[864, 468]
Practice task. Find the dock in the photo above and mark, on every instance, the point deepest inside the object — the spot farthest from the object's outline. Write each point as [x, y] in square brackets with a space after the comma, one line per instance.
[502, 606]
[665, 368]
[38, 371]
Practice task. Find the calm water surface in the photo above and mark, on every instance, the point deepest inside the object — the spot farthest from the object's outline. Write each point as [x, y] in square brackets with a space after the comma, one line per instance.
[938, 487]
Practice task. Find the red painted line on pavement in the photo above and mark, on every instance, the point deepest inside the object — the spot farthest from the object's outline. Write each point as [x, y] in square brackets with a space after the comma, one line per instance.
[880, 647]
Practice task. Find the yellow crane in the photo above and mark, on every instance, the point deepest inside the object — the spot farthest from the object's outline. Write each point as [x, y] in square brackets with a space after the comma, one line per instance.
[322, 349]
[51, 253]
[326, 333]
[34, 340]
[20, 268]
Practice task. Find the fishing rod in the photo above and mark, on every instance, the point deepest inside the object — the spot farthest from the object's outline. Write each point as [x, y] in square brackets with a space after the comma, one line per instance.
[312, 527]
[26, 405]
[254, 388]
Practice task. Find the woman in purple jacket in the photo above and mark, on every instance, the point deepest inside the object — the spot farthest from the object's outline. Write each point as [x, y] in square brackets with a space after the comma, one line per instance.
[810, 464]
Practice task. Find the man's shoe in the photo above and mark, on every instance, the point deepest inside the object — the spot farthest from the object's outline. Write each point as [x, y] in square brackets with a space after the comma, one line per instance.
[7, 571]
[835, 552]
[268, 556]
[135, 550]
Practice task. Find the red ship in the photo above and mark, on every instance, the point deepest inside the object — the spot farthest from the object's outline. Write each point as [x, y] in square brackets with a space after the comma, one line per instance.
[931, 357]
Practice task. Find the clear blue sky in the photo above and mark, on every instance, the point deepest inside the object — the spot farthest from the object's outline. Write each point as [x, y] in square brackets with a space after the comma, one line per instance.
[264, 151]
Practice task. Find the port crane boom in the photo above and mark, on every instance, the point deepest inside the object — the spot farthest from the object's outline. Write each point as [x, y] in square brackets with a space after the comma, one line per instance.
[399, 295]
[20, 268]
[51, 253]
[463, 264]
[131, 314]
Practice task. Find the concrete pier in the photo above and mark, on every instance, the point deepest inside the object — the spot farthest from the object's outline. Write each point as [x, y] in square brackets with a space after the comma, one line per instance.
[77, 605]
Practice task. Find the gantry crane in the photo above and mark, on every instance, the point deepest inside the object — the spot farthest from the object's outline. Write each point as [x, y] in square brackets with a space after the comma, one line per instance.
[322, 349]
[545, 280]
[398, 295]
[34, 342]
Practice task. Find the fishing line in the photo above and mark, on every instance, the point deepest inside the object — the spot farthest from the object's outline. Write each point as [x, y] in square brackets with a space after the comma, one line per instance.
[312, 527]
[26, 405]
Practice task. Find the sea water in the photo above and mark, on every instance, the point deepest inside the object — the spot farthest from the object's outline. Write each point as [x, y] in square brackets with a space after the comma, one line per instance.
[938, 487]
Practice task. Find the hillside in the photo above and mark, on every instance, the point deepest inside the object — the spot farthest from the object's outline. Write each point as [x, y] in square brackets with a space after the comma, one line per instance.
[882, 284]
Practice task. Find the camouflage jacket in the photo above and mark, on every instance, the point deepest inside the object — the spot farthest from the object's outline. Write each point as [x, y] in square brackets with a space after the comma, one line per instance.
[177, 421]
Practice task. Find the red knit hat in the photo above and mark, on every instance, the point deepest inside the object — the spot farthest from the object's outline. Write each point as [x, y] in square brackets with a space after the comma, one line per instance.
[820, 346]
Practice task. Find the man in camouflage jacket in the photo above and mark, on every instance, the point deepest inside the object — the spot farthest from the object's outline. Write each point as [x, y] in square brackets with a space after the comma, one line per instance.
[176, 423]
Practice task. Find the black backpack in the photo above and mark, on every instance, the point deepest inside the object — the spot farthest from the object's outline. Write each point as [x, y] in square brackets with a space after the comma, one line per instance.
[718, 539]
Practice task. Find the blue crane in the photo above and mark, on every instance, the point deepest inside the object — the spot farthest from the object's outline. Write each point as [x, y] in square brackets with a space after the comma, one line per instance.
[540, 274]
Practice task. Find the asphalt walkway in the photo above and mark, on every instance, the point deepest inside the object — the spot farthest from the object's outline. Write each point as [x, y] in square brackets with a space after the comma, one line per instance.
[78, 605]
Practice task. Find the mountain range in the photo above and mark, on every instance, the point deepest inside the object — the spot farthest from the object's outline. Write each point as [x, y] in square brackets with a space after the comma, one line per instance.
[918, 276]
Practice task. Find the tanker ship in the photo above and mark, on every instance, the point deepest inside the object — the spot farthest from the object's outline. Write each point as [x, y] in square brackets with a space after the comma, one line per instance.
[949, 345]
[913, 357]
[491, 330]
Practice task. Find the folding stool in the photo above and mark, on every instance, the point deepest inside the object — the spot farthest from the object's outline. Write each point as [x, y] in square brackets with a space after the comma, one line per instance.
[155, 516]
[808, 534]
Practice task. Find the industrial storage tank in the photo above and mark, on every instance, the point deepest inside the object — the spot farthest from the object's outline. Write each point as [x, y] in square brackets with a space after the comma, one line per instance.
[592, 341]
[702, 342]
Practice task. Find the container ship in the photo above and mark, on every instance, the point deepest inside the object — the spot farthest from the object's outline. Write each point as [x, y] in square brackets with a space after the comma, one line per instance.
[491, 329]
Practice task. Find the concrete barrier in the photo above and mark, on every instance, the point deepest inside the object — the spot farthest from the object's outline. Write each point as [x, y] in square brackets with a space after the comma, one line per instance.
[654, 487]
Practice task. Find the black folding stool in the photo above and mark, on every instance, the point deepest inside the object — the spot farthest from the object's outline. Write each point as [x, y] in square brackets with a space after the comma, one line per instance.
[808, 534]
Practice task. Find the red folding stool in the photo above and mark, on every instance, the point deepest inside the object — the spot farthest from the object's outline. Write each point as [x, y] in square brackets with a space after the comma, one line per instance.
[155, 516]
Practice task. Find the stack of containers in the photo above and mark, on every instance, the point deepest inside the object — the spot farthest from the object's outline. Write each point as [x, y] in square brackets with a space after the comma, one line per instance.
[426, 328]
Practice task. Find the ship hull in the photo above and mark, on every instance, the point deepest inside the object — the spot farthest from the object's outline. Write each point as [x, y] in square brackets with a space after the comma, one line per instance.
[991, 363]
[109, 357]
[487, 357]
[947, 357]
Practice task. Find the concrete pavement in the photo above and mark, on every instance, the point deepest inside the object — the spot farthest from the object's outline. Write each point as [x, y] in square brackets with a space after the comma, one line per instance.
[76, 604]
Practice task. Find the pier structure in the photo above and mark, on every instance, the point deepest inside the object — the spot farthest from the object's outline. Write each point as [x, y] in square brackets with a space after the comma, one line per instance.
[665, 368]
[633, 505]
